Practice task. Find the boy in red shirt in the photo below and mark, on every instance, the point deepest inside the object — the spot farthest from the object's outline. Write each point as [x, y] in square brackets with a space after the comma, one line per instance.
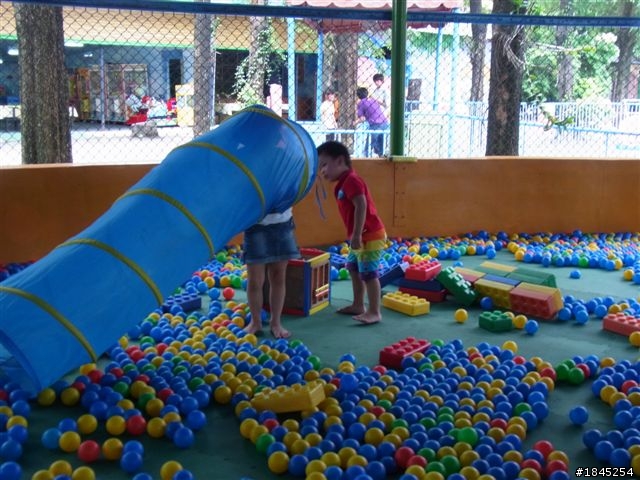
[364, 228]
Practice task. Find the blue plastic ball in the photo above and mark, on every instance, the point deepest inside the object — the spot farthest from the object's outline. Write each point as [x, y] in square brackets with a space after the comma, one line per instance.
[579, 415]
[575, 274]
[10, 471]
[486, 303]
[531, 327]
[131, 462]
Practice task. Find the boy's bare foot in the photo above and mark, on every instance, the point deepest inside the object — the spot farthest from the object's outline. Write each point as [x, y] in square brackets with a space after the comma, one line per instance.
[251, 328]
[280, 332]
[351, 310]
[368, 318]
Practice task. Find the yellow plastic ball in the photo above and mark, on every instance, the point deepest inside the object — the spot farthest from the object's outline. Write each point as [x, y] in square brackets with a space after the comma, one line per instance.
[278, 462]
[634, 339]
[627, 274]
[510, 345]
[70, 396]
[461, 315]
[69, 441]
[315, 466]
[116, 425]
[112, 448]
[42, 475]
[169, 469]
[83, 473]
[47, 397]
[519, 321]
[247, 426]
[156, 427]
[87, 424]
[222, 394]
[60, 467]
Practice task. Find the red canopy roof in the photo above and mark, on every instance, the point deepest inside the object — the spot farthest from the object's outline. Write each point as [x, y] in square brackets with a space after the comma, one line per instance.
[338, 25]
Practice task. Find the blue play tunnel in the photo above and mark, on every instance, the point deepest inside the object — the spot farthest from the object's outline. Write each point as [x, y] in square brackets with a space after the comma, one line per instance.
[72, 305]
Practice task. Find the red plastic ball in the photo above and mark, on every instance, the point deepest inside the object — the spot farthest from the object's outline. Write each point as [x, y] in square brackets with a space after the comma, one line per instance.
[89, 451]
[531, 463]
[271, 423]
[545, 447]
[417, 460]
[228, 293]
[554, 466]
[136, 425]
[402, 456]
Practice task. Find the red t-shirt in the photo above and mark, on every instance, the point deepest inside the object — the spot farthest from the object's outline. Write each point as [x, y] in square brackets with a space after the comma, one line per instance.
[350, 185]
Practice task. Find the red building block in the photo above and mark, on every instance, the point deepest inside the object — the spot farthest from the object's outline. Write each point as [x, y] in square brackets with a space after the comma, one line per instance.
[423, 271]
[621, 323]
[532, 303]
[431, 296]
[392, 355]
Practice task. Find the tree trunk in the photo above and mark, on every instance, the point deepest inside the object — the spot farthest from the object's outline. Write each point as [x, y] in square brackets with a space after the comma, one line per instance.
[44, 85]
[258, 58]
[505, 85]
[347, 77]
[626, 42]
[203, 73]
[478, 37]
[564, 83]
[330, 55]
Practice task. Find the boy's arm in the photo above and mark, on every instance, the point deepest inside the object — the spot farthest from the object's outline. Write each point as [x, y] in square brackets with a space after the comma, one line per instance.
[359, 215]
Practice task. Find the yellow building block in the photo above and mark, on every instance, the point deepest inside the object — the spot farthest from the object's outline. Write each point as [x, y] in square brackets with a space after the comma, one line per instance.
[499, 292]
[497, 266]
[558, 302]
[405, 303]
[295, 398]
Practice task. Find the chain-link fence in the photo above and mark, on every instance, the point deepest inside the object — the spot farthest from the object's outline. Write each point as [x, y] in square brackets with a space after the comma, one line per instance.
[141, 82]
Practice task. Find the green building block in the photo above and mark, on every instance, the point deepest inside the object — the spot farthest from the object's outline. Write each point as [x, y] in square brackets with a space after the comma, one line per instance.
[457, 286]
[533, 276]
[496, 321]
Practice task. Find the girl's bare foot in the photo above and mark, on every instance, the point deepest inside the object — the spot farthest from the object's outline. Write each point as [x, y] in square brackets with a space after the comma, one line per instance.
[251, 328]
[280, 332]
[351, 310]
[368, 318]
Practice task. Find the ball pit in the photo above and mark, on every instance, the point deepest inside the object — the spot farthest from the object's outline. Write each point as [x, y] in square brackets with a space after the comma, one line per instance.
[454, 409]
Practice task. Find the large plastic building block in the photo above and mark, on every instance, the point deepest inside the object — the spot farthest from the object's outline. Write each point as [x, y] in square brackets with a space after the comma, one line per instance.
[501, 279]
[495, 321]
[393, 355]
[429, 285]
[338, 261]
[405, 303]
[469, 275]
[499, 292]
[535, 277]
[423, 271]
[621, 323]
[457, 286]
[284, 399]
[430, 296]
[499, 267]
[554, 292]
[308, 283]
[391, 275]
[533, 303]
[187, 301]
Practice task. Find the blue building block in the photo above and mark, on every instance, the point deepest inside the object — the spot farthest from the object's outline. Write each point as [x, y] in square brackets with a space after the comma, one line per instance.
[501, 279]
[188, 301]
[428, 285]
[391, 275]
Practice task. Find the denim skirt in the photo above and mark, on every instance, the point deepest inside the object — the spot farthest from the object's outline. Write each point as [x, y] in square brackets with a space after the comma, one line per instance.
[270, 243]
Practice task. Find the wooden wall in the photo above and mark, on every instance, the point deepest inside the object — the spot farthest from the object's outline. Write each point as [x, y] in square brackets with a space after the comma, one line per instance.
[43, 205]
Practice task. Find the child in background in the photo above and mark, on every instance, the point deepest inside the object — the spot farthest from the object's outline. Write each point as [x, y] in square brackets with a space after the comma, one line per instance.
[268, 247]
[328, 113]
[364, 228]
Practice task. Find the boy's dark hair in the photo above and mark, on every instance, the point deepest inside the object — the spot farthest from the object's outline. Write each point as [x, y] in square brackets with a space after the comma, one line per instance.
[335, 149]
[378, 76]
[362, 93]
[329, 91]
